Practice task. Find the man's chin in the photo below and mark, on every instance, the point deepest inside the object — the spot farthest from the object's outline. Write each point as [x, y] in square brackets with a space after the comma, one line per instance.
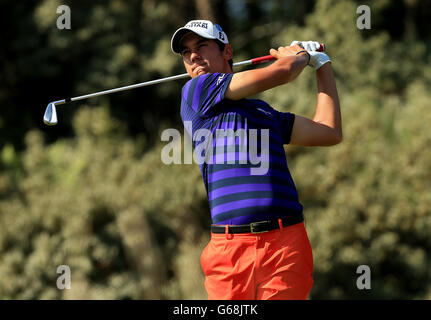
[201, 72]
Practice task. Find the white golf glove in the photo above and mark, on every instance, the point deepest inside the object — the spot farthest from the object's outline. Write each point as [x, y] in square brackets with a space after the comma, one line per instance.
[307, 45]
[317, 59]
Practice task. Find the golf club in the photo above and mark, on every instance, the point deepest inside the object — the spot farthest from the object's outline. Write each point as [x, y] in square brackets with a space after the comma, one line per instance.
[50, 116]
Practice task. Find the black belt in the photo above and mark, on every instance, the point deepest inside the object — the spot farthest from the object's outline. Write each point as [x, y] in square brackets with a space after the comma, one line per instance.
[257, 227]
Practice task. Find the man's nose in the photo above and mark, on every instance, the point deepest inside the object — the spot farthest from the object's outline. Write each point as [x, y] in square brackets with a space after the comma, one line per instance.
[194, 56]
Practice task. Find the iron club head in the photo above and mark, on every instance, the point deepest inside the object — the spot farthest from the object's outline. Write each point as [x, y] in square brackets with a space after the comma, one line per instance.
[50, 116]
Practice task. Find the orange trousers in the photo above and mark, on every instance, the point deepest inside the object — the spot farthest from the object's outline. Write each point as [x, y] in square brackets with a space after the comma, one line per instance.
[273, 265]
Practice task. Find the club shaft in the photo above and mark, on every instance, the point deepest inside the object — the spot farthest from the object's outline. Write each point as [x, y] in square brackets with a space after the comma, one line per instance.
[177, 77]
[147, 83]
[143, 84]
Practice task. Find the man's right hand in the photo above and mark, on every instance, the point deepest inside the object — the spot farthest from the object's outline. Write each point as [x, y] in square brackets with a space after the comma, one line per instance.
[287, 51]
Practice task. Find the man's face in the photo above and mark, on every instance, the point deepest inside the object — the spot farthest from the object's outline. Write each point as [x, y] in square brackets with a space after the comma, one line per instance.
[201, 56]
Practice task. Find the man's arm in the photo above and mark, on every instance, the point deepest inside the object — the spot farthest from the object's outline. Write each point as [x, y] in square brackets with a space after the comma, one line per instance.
[325, 129]
[287, 67]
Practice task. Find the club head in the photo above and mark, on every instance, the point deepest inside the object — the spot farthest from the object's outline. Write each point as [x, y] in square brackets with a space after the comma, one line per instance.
[50, 116]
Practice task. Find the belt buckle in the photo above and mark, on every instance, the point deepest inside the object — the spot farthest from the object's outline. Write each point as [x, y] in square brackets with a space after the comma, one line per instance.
[256, 224]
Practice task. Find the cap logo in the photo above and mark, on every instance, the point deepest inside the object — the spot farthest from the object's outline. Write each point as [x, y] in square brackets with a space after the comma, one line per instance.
[203, 28]
[197, 24]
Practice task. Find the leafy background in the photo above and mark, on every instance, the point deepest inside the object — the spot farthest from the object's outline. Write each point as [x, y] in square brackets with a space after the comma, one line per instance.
[92, 192]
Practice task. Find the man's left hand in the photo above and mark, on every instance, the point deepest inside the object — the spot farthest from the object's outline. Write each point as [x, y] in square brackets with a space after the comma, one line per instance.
[317, 59]
[307, 45]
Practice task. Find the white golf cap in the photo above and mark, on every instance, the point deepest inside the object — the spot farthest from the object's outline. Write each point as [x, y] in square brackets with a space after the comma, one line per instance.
[203, 28]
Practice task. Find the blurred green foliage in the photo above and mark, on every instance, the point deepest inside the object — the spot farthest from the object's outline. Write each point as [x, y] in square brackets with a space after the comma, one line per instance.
[92, 193]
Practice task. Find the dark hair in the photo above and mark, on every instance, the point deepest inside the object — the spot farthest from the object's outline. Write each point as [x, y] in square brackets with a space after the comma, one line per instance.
[221, 46]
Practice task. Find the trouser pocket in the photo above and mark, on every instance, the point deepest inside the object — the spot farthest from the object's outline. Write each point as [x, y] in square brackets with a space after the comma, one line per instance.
[204, 258]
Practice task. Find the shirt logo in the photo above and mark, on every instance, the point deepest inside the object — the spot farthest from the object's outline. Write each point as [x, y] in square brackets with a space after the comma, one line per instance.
[266, 112]
[220, 79]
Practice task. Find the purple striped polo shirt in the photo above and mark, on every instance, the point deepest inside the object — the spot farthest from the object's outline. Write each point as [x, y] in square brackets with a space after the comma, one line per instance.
[239, 147]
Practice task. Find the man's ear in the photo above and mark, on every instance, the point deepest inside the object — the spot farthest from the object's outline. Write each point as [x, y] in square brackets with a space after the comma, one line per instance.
[228, 52]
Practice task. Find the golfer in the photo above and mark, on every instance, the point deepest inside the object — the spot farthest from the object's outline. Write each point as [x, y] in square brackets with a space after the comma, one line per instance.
[259, 248]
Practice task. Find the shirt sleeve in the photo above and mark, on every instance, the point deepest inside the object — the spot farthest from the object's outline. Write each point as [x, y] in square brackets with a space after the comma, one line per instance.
[286, 120]
[206, 91]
